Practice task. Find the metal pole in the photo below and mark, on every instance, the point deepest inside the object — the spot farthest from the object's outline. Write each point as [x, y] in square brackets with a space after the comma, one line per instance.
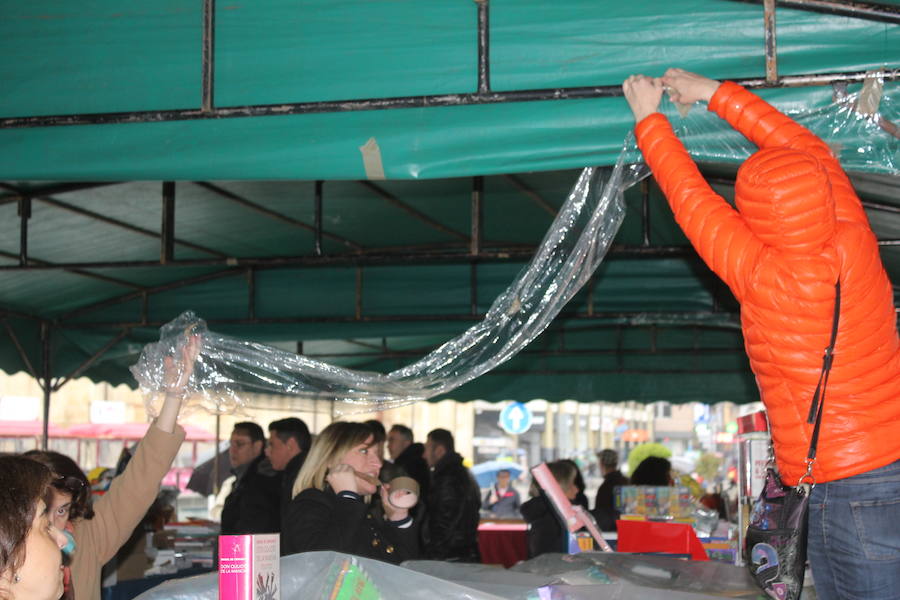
[352, 105]
[318, 218]
[45, 381]
[167, 235]
[771, 45]
[208, 56]
[24, 215]
[484, 49]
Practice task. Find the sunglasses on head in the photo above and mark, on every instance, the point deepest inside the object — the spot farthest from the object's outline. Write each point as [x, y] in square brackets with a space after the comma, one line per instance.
[69, 484]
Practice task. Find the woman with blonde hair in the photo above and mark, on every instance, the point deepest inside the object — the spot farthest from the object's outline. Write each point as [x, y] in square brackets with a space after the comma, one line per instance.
[330, 509]
[30, 546]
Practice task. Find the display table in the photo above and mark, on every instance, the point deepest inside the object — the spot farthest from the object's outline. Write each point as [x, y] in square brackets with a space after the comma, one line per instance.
[130, 588]
[503, 542]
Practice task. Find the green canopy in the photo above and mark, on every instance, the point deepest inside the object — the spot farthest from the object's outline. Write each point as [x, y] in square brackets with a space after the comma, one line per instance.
[372, 273]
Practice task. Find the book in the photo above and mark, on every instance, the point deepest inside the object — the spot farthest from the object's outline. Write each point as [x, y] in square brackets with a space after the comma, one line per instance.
[249, 567]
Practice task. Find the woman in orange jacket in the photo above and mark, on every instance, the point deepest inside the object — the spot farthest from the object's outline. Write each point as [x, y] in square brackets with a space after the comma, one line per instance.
[798, 229]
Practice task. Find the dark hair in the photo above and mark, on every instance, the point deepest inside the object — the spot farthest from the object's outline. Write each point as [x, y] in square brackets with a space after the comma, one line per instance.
[377, 430]
[251, 430]
[579, 480]
[653, 470]
[22, 483]
[442, 437]
[404, 431]
[608, 457]
[67, 477]
[292, 427]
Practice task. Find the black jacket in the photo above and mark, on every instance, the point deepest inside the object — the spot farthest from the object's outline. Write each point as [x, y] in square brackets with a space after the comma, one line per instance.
[604, 506]
[546, 533]
[287, 483]
[253, 506]
[412, 462]
[454, 501]
[321, 520]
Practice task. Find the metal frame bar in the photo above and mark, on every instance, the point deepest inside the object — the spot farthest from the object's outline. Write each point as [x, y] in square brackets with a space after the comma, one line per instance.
[23, 211]
[19, 348]
[518, 252]
[428, 101]
[208, 57]
[90, 360]
[638, 317]
[97, 276]
[48, 190]
[167, 233]
[144, 293]
[530, 193]
[867, 11]
[274, 214]
[395, 201]
[484, 47]
[123, 225]
[44, 381]
[318, 217]
[771, 44]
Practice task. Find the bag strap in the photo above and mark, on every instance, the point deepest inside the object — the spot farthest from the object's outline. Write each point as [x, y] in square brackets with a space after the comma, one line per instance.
[818, 401]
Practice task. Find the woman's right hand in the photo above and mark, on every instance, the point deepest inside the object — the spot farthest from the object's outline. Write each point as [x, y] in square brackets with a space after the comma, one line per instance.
[685, 87]
[342, 478]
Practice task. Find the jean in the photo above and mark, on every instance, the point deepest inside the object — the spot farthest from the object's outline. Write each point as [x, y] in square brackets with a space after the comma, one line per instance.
[854, 536]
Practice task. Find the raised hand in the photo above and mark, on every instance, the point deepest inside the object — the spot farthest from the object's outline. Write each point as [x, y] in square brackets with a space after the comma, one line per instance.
[643, 95]
[685, 87]
[178, 374]
[342, 478]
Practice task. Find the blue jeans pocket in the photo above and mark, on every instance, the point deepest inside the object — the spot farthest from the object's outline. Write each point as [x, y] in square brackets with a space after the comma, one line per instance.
[876, 521]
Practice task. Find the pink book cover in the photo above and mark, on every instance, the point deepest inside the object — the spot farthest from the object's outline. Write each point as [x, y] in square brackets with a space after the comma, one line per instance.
[249, 567]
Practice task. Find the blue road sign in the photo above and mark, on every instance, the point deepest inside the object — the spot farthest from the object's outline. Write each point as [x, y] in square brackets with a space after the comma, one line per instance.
[516, 418]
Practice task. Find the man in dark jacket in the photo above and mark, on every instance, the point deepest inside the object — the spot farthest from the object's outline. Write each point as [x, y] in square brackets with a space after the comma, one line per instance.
[408, 457]
[605, 507]
[253, 506]
[289, 443]
[454, 500]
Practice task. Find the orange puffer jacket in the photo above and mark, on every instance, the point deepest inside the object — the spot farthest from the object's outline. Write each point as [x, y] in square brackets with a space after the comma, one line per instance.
[797, 228]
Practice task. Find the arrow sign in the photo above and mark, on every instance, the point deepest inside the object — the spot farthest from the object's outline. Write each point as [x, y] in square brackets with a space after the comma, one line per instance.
[515, 418]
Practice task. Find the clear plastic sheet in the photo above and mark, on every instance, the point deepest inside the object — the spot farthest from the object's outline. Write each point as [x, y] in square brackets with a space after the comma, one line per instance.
[861, 127]
[587, 576]
[570, 252]
[313, 575]
[576, 243]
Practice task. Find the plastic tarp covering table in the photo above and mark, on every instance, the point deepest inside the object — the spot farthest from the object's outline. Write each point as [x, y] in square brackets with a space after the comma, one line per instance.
[330, 575]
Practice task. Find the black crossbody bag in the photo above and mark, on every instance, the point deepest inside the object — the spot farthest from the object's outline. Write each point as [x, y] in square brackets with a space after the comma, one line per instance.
[776, 534]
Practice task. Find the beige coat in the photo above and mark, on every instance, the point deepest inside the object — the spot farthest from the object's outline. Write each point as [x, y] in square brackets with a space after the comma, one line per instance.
[121, 508]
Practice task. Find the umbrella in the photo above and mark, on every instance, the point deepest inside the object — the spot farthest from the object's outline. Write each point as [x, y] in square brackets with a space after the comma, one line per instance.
[202, 480]
[486, 473]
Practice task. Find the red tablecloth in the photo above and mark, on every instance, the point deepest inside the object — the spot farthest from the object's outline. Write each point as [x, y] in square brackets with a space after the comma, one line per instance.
[653, 536]
[502, 543]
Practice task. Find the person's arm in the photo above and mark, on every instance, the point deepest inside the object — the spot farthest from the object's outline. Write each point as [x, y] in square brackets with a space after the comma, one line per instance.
[765, 126]
[714, 228]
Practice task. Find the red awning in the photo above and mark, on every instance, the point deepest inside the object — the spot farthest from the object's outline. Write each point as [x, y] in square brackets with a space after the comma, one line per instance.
[26, 429]
[128, 431]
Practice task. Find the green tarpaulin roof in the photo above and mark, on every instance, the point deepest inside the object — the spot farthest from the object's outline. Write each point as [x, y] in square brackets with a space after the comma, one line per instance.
[393, 274]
